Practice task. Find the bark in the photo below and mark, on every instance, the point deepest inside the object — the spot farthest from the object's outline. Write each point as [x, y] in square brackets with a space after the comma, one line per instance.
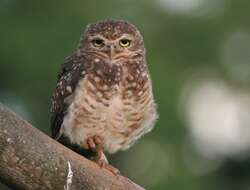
[29, 159]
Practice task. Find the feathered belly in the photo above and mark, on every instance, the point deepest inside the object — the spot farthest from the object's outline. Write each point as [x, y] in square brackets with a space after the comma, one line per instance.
[118, 122]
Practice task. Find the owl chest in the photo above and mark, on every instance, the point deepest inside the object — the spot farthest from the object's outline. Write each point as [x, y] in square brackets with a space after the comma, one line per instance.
[99, 104]
[114, 112]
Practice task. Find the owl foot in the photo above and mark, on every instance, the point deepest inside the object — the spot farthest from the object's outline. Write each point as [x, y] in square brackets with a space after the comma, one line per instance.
[91, 144]
[108, 167]
[95, 144]
[102, 161]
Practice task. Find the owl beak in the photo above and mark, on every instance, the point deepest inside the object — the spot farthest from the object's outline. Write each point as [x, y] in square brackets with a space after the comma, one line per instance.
[111, 51]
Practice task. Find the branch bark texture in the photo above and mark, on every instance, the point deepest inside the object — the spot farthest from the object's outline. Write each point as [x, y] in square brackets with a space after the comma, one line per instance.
[30, 160]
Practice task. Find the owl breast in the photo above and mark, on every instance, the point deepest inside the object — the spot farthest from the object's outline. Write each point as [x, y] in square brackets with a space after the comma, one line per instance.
[119, 108]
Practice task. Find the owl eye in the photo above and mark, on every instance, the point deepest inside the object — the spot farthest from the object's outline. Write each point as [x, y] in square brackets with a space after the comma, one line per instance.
[125, 42]
[98, 43]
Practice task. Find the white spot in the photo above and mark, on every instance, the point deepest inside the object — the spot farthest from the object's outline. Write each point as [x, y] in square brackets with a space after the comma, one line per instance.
[195, 8]
[83, 72]
[140, 93]
[144, 74]
[129, 93]
[8, 140]
[97, 60]
[99, 94]
[211, 103]
[99, 72]
[131, 77]
[134, 84]
[69, 89]
[97, 79]
[116, 86]
[105, 87]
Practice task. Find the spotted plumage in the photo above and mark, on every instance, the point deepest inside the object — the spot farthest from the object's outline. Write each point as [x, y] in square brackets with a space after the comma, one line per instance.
[103, 98]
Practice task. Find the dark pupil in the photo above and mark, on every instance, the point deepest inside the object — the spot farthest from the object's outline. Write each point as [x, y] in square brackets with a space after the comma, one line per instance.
[98, 42]
[124, 41]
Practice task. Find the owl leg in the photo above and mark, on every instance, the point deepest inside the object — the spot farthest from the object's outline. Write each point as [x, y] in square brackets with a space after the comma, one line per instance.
[96, 145]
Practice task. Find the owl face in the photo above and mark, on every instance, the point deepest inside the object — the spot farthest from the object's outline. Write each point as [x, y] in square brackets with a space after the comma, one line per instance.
[112, 40]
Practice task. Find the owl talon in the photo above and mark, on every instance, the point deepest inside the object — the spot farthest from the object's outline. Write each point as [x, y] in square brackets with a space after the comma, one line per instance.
[102, 161]
[108, 167]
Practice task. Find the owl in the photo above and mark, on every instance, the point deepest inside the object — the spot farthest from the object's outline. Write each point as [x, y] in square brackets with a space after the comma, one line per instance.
[103, 100]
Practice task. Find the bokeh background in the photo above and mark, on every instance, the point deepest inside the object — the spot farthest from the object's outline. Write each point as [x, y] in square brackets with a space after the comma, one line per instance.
[198, 52]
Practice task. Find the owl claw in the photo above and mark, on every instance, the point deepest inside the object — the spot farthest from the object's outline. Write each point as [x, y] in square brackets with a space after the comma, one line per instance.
[102, 161]
[108, 167]
[95, 144]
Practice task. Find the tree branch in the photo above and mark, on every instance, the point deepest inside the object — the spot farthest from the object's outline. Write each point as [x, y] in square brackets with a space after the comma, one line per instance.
[29, 160]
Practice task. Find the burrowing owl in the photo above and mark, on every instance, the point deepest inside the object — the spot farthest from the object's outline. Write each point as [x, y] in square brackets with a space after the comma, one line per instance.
[103, 100]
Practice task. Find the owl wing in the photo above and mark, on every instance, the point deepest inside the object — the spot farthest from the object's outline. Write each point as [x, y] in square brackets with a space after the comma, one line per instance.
[71, 71]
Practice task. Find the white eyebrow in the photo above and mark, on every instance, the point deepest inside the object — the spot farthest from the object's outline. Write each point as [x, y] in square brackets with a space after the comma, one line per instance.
[128, 36]
[97, 36]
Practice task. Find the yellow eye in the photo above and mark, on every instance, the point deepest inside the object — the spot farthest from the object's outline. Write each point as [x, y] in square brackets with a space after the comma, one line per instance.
[98, 43]
[124, 43]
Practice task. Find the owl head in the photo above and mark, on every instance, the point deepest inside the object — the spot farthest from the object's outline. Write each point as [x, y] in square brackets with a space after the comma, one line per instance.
[113, 40]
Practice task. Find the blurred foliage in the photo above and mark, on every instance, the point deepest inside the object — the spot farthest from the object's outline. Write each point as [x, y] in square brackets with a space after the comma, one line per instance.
[36, 36]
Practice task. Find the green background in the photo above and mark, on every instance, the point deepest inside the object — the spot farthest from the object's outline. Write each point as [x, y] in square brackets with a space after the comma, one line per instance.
[186, 41]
